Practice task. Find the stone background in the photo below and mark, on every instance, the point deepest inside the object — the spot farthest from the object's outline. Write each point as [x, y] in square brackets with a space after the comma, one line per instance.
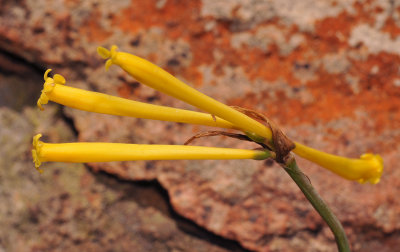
[326, 71]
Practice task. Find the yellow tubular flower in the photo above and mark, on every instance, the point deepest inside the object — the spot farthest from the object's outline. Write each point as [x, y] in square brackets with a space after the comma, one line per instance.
[106, 152]
[368, 168]
[157, 78]
[55, 90]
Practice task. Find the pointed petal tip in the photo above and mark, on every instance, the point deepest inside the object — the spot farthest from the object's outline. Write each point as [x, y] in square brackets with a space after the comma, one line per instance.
[39, 104]
[114, 48]
[108, 64]
[59, 79]
[36, 140]
[46, 74]
[103, 52]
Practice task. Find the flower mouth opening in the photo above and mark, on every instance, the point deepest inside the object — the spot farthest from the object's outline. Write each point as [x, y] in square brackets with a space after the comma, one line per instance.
[37, 146]
[374, 174]
[108, 54]
[48, 86]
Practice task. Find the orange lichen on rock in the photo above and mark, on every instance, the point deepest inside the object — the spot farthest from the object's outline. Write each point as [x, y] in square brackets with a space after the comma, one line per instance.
[391, 27]
[141, 15]
[333, 91]
[93, 30]
[378, 76]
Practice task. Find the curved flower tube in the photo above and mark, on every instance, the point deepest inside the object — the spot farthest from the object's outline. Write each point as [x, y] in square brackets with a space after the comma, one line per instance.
[106, 152]
[157, 78]
[55, 90]
[368, 168]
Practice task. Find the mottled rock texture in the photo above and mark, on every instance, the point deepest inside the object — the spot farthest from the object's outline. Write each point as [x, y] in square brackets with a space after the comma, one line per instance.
[69, 208]
[326, 71]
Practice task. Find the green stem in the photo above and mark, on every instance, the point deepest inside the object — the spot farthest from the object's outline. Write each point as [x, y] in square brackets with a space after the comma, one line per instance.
[316, 201]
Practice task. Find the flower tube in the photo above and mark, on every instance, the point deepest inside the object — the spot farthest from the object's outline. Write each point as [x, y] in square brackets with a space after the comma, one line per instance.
[368, 168]
[106, 152]
[55, 90]
[157, 78]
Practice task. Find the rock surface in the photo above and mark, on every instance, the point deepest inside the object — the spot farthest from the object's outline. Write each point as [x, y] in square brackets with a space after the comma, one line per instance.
[68, 208]
[326, 72]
